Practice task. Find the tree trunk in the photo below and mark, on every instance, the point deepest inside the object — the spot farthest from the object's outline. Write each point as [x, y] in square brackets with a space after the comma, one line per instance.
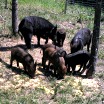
[95, 40]
[66, 3]
[14, 17]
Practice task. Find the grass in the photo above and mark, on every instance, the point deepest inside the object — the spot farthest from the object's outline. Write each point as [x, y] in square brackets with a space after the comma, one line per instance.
[12, 97]
[50, 4]
[67, 91]
[101, 54]
[64, 93]
[51, 10]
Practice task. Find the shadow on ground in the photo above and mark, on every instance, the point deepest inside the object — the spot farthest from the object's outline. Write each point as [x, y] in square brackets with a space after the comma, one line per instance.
[21, 46]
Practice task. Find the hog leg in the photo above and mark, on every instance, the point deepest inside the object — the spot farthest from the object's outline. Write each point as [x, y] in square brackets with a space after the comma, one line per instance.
[42, 60]
[44, 63]
[73, 69]
[88, 46]
[11, 61]
[25, 69]
[28, 40]
[38, 38]
[17, 64]
[84, 68]
[62, 41]
[48, 66]
[27, 37]
[46, 40]
[55, 71]
[68, 69]
[80, 68]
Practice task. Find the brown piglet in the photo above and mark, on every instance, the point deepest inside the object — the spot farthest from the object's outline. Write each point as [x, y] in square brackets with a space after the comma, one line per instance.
[56, 59]
[22, 56]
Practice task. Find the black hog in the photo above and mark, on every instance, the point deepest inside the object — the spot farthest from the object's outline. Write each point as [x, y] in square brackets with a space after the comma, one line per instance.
[61, 35]
[78, 58]
[42, 28]
[81, 39]
[21, 56]
[61, 51]
[56, 59]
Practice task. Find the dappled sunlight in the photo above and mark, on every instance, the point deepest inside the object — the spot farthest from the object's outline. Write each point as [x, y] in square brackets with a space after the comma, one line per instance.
[80, 87]
[14, 78]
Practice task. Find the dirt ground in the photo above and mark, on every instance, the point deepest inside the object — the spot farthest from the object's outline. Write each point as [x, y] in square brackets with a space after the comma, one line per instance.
[10, 77]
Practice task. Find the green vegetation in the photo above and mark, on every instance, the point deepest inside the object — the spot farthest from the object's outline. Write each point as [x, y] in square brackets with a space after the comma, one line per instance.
[68, 91]
[51, 10]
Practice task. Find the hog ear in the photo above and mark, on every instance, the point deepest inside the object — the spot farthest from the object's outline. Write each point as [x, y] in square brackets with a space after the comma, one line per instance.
[54, 30]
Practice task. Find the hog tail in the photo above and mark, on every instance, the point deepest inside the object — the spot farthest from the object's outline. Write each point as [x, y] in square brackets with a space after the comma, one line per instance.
[20, 35]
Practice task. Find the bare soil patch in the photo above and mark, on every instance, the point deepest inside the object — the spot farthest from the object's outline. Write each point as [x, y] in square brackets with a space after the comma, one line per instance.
[15, 78]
